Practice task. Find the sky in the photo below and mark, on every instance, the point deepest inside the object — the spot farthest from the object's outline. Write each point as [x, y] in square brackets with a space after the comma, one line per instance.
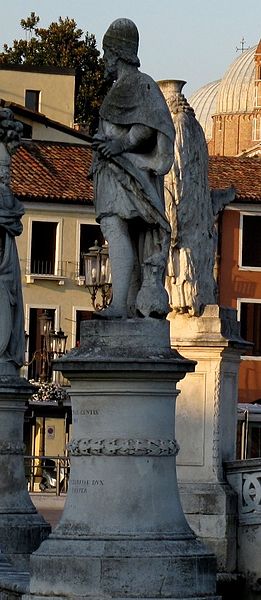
[193, 40]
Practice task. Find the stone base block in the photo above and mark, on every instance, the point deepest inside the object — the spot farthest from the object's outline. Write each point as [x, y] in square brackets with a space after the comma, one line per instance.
[70, 568]
[21, 535]
[13, 584]
[211, 511]
[123, 533]
[29, 597]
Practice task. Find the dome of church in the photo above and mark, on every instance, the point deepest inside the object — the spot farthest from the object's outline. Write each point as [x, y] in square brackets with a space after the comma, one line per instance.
[233, 93]
[204, 103]
[236, 90]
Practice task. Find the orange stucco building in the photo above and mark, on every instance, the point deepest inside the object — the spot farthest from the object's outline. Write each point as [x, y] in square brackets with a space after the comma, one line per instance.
[239, 273]
[239, 285]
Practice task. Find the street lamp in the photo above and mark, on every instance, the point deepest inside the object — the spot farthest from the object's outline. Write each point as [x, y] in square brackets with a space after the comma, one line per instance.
[98, 274]
[53, 344]
[58, 342]
[45, 322]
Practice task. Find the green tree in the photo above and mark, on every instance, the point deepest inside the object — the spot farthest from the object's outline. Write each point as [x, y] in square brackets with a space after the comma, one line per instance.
[63, 44]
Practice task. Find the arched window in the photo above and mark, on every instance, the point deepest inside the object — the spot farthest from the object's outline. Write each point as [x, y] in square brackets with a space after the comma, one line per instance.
[256, 128]
[258, 93]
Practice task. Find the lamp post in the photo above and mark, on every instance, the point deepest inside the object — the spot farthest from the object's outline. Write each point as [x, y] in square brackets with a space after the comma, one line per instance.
[45, 322]
[98, 274]
[53, 344]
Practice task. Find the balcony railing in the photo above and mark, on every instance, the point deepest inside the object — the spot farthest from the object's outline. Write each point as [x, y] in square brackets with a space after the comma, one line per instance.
[45, 267]
[49, 474]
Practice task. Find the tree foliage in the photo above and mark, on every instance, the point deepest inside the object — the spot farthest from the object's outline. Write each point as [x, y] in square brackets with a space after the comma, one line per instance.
[63, 44]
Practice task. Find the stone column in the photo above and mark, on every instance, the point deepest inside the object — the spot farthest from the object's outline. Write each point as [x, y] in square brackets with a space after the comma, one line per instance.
[123, 531]
[22, 529]
[207, 424]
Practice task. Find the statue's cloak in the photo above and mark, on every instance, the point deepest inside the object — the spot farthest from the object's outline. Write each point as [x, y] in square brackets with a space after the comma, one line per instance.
[134, 100]
[11, 314]
[137, 99]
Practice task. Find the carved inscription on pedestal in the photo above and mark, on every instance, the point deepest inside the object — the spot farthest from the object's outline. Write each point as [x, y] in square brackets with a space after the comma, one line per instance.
[78, 413]
[82, 486]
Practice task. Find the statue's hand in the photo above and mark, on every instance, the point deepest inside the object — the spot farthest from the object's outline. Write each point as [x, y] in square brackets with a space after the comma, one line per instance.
[110, 148]
[96, 141]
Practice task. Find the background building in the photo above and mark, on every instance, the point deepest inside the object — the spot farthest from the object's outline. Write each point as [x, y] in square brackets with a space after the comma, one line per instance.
[58, 226]
[229, 110]
[50, 176]
[239, 272]
[46, 90]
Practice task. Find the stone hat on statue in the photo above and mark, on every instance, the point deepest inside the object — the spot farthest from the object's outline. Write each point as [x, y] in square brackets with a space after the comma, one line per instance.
[122, 37]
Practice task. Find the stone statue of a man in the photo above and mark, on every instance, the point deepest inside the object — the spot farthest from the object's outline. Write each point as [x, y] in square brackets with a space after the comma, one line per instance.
[133, 151]
[11, 211]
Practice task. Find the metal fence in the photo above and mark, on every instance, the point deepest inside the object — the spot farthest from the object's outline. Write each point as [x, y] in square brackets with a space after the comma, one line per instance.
[48, 474]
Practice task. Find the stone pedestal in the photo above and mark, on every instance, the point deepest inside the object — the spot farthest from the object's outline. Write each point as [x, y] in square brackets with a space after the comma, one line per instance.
[123, 531]
[22, 529]
[206, 425]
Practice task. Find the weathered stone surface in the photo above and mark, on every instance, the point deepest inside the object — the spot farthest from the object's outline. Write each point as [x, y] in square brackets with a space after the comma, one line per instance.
[11, 211]
[13, 584]
[124, 339]
[206, 426]
[245, 478]
[123, 532]
[22, 529]
[133, 150]
[191, 209]
[130, 568]
[216, 326]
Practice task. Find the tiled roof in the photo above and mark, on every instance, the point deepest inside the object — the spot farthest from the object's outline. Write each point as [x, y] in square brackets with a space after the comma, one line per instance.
[51, 171]
[244, 174]
[58, 172]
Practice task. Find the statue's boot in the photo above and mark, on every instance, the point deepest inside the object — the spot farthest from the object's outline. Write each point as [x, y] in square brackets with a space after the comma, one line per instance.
[110, 312]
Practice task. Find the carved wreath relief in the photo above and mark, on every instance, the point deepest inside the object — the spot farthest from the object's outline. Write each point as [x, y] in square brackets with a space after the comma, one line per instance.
[123, 447]
[7, 447]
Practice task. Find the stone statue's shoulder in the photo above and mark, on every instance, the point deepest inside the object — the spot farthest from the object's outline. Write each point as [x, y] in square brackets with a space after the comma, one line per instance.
[147, 81]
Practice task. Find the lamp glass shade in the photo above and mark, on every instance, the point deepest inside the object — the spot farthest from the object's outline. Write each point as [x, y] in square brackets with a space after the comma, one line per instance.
[105, 267]
[58, 342]
[92, 265]
[45, 323]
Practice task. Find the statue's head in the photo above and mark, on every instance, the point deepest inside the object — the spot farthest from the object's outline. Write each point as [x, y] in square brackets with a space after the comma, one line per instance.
[10, 130]
[10, 139]
[122, 39]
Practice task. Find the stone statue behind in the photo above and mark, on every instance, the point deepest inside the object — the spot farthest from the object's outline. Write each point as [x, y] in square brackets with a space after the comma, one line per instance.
[192, 211]
[133, 151]
[11, 211]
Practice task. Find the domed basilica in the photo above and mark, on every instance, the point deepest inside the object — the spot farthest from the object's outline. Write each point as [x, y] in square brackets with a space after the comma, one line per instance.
[229, 110]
